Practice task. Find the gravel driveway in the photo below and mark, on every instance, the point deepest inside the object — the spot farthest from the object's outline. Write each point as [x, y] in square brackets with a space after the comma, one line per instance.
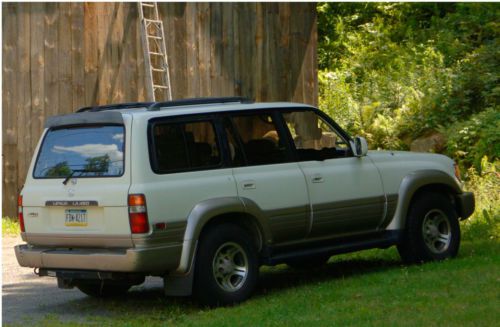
[27, 298]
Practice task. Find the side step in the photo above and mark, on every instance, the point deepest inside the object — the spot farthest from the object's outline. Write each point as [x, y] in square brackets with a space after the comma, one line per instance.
[332, 247]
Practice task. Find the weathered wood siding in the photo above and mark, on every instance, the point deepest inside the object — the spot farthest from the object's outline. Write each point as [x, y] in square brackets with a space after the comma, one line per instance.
[61, 56]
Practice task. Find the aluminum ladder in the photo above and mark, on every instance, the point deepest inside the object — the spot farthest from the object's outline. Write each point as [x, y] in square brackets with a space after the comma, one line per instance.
[155, 53]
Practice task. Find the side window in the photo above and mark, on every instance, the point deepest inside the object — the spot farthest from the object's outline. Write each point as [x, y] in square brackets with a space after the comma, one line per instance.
[314, 138]
[260, 140]
[185, 146]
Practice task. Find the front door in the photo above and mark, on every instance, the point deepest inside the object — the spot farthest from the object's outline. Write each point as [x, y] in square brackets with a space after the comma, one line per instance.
[346, 192]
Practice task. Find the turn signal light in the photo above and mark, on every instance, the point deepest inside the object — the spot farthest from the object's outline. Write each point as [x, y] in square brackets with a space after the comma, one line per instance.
[20, 215]
[138, 214]
[457, 171]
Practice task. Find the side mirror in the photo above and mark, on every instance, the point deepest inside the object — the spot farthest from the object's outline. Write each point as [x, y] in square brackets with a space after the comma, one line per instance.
[360, 146]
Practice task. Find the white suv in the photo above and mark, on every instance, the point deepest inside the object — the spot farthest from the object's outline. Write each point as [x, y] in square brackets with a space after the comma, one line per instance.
[204, 191]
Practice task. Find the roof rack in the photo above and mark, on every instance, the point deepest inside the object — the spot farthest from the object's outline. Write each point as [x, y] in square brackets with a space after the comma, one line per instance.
[128, 105]
[196, 101]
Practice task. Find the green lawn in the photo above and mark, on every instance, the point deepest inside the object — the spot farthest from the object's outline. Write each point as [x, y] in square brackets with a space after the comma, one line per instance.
[369, 288]
[10, 226]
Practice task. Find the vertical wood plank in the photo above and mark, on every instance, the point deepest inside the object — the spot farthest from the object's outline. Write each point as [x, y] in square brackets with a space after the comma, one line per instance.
[77, 60]
[203, 39]
[24, 90]
[37, 25]
[10, 96]
[90, 50]
[51, 54]
[228, 51]
[64, 66]
[193, 80]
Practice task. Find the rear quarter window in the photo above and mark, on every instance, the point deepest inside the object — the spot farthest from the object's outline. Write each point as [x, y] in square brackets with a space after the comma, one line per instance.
[93, 151]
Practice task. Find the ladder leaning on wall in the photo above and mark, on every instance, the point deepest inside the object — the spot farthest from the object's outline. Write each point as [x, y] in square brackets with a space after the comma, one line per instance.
[155, 53]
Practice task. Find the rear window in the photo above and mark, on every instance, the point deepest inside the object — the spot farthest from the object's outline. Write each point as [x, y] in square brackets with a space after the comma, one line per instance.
[95, 151]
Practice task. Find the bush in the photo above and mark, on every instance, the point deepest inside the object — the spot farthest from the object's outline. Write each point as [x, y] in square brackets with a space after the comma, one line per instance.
[470, 140]
[485, 222]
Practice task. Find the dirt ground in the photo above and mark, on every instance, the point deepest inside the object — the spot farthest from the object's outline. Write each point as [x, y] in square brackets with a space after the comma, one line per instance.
[27, 298]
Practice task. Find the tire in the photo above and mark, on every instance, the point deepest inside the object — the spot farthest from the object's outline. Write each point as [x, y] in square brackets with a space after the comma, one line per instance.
[432, 231]
[227, 266]
[313, 261]
[102, 289]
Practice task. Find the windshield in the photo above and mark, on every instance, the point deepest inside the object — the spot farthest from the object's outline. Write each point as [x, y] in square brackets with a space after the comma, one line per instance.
[95, 151]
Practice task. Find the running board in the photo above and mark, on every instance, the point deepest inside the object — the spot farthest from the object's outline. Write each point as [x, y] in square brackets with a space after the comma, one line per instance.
[334, 247]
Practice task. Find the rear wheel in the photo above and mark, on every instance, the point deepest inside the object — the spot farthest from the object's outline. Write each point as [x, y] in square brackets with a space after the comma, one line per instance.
[432, 230]
[226, 268]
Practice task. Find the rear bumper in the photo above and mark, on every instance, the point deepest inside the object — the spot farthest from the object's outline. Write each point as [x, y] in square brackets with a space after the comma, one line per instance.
[145, 260]
[465, 204]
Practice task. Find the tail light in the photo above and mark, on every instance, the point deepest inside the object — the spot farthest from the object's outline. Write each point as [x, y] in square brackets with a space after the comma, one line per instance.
[20, 215]
[138, 214]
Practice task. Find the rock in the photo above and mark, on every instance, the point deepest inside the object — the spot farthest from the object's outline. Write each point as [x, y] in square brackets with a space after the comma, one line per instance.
[433, 142]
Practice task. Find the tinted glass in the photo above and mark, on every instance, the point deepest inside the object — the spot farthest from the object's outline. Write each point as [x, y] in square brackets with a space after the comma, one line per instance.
[95, 151]
[260, 139]
[185, 146]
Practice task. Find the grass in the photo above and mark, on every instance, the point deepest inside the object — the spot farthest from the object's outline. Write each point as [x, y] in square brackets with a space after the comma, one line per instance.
[10, 226]
[369, 288]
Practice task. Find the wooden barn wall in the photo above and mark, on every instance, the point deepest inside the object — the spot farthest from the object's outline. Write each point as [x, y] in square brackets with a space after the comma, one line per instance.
[61, 56]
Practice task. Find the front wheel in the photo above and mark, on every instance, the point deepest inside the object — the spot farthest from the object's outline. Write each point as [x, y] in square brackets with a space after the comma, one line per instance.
[432, 230]
[226, 268]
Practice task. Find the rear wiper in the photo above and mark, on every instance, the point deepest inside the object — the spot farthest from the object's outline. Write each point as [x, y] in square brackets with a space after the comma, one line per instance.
[81, 171]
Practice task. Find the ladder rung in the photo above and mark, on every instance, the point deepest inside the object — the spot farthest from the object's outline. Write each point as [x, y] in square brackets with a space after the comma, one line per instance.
[156, 53]
[160, 87]
[155, 21]
[158, 69]
[147, 5]
[154, 37]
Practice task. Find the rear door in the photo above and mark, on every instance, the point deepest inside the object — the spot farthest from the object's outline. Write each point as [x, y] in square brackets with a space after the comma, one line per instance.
[77, 186]
[266, 174]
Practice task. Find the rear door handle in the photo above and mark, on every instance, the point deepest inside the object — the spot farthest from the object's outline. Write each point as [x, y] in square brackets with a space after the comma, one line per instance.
[248, 185]
[317, 178]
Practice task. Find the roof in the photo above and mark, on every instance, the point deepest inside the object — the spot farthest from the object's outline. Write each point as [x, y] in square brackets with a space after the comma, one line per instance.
[190, 106]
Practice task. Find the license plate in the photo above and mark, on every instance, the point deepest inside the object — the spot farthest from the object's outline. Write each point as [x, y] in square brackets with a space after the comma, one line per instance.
[76, 217]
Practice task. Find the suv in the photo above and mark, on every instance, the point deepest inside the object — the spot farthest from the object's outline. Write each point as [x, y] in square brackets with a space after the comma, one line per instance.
[202, 192]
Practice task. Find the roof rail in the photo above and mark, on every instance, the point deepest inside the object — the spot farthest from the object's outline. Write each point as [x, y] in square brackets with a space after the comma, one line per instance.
[195, 101]
[128, 105]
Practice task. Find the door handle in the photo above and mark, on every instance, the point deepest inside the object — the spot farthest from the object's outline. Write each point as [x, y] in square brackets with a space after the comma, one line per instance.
[317, 178]
[248, 185]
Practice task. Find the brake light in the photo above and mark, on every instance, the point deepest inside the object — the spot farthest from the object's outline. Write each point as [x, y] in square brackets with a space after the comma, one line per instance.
[138, 214]
[20, 215]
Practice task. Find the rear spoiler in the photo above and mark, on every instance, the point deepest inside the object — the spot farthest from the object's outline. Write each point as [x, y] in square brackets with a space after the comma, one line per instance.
[105, 117]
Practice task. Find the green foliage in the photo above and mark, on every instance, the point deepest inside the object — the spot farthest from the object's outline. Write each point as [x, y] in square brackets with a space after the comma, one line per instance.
[10, 227]
[485, 222]
[60, 169]
[470, 140]
[395, 71]
[99, 164]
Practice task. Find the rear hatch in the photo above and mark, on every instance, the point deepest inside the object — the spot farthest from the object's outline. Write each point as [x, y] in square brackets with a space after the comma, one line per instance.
[77, 186]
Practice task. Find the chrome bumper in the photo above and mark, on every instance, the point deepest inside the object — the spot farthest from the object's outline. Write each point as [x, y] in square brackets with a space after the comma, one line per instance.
[150, 259]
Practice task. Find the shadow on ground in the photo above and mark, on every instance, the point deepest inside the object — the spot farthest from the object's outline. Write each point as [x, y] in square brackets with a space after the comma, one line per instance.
[71, 305]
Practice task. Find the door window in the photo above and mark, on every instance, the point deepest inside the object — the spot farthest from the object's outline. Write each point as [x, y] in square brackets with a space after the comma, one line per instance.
[314, 138]
[184, 146]
[260, 140]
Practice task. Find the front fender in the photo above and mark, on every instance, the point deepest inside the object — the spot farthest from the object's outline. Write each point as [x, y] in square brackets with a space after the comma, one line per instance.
[411, 183]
